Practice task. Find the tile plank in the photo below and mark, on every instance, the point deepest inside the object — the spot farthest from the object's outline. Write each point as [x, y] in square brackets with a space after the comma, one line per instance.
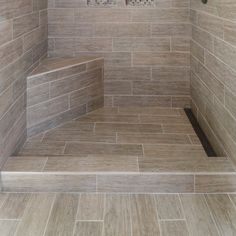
[198, 216]
[91, 207]
[144, 215]
[86, 228]
[224, 213]
[62, 218]
[8, 227]
[176, 228]
[117, 215]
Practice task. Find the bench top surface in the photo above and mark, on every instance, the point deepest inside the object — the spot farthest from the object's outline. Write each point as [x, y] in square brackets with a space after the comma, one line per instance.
[48, 65]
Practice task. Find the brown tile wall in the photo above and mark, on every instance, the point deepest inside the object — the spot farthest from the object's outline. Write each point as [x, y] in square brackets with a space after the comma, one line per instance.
[213, 71]
[64, 94]
[146, 49]
[23, 41]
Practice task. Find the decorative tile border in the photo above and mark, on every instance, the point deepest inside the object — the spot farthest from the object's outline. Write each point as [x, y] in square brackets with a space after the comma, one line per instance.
[98, 3]
[141, 3]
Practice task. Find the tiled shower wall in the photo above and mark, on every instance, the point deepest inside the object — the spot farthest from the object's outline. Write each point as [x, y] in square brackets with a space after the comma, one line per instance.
[213, 71]
[146, 49]
[23, 41]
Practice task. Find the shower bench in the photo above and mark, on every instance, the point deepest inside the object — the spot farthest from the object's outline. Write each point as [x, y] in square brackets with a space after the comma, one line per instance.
[61, 89]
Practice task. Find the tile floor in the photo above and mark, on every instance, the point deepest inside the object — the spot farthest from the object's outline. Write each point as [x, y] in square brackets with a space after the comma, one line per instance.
[127, 139]
[49, 214]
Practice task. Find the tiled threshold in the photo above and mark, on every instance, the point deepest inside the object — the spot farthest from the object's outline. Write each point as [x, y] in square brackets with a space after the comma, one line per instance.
[119, 150]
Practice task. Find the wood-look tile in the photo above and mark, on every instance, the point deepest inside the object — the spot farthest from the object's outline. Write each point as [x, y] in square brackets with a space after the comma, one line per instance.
[145, 183]
[42, 149]
[117, 215]
[128, 128]
[106, 111]
[174, 151]
[24, 163]
[8, 227]
[91, 207]
[3, 197]
[46, 182]
[224, 183]
[184, 129]
[73, 148]
[80, 136]
[92, 163]
[110, 118]
[36, 215]
[63, 215]
[223, 212]
[153, 164]
[164, 119]
[86, 228]
[159, 111]
[198, 216]
[75, 125]
[169, 206]
[153, 138]
[14, 206]
[194, 139]
[144, 215]
[177, 228]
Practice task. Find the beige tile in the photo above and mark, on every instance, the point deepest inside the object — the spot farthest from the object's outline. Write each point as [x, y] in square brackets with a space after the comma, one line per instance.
[215, 183]
[229, 32]
[36, 215]
[117, 215]
[8, 227]
[127, 73]
[211, 24]
[76, 125]
[102, 15]
[177, 228]
[154, 164]
[174, 151]
[144, 215]
[160, 15]
[225, 52]
[25, 24]
[169, 206]
[91, 207]
[164, 119]
[110, 118]
[127, 128]
[46, 182]
[194, 139]
[122, 30]
[197, 51]
[184, 129]
[171, 29]
[46, 110]
[203, 38]
[143, 101]
[63, 214]
[93, 44]
[152, 138]
[230, 101]
[159, 111]
[11, 51]
[145, 183]
[6, 32]
[111, 149]
[80, 136]
[223, 212]
[160, 88]
[85, 228]
[166, 73]
[25, 163]
[117, 87]
[141, 44]
[195, 210]
[14, 206]
[92, 163]
[61, 16]
[180, 44]
[160, 59]
[42, 149]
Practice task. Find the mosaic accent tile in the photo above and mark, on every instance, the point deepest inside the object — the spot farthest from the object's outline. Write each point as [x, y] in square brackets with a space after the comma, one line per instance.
[101, 2]
[140, 3]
